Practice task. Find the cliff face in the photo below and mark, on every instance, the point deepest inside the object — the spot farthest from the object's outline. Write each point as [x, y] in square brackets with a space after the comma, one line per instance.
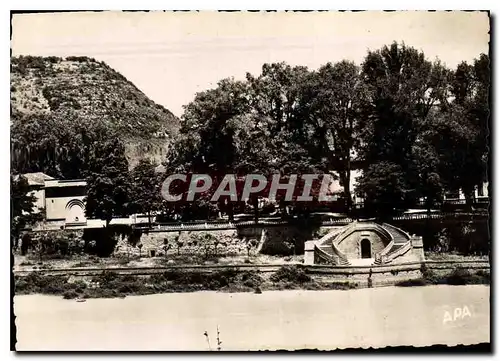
[91, 90]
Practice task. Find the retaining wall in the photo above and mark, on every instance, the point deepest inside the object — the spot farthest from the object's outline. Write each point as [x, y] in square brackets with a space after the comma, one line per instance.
[379, 275]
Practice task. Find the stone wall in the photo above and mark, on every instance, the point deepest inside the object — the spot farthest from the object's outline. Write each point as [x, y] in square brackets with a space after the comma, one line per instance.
[351, 245]
[415, 254]
[220, 242]
[278, 240]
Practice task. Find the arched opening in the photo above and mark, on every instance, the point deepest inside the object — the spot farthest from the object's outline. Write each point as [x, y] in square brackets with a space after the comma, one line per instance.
[366, 248]
[75, 212]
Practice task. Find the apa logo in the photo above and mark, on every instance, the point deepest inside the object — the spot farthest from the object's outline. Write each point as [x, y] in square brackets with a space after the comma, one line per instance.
[459, 313]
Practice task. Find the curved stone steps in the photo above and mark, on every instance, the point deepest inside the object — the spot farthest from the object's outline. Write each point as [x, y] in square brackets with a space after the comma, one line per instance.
[327, 248]
[400, 240]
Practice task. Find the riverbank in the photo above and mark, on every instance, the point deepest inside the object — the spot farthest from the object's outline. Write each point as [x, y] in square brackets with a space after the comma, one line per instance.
[31, 262]
[109, 284]
[273, 320]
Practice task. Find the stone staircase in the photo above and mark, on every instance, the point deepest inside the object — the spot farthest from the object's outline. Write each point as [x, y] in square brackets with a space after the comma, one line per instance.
[327, 248]
[399, 237]
[332, 255]
[399, 240]
[399, 243]
[342, 261]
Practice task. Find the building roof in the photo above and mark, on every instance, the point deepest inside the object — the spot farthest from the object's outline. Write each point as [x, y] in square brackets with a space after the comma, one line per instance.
[57, 183]
[37, 178]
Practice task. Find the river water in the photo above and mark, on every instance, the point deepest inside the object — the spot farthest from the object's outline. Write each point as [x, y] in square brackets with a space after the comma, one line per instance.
[325, 320]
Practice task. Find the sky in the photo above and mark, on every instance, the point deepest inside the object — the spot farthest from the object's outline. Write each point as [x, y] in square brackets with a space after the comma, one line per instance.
[172, 56]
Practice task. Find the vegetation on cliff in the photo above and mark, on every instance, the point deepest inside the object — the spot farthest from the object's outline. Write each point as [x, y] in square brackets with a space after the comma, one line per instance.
[51, 94]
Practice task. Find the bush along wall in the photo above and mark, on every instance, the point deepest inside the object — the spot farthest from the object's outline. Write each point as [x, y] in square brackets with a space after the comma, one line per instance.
[53, 244]
[468, 237]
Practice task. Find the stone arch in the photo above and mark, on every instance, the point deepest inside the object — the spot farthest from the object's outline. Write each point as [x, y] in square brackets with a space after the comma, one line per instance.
[366, 248]
[75, 211]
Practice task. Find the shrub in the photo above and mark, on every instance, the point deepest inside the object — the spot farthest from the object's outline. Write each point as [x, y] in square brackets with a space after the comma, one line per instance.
[278, 248]
[461, 276]
[411, 283]
[458, 276]
[428, 275]
[185, 281]
[80, 59]
[483, 274]
[35, 283]
[53, 59]
[294, 274]
[70, 294]
[251, 279]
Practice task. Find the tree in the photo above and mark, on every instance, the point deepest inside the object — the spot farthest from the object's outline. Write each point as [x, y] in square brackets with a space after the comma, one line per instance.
[471, 88]
[206, 141]
[108, 183]
[22, 207]
[440, 151]
[451, 151]
[215, 139]
[384, 187]
[206, 240]
[166, 246]
[277, 127]
[279, 106]
[57, 144]
[428, 167]
[146, 189]
[46, 243]
[404, 89]
[335, 96]
[179, 244]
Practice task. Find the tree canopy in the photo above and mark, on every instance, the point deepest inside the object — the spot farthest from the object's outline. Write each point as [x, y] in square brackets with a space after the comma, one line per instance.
[23, 212]
[415, 128]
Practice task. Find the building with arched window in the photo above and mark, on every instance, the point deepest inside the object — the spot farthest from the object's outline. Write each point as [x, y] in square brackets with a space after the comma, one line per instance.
[62, 200]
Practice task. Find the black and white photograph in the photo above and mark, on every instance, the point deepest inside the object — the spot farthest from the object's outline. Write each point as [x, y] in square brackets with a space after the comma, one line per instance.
[250, 180]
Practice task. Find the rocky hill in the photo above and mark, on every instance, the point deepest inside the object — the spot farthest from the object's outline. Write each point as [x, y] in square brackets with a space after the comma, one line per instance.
[91, 90]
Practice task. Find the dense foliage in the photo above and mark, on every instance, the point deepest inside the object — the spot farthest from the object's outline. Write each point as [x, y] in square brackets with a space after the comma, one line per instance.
[22, 207]
[108, 183]
[416, 128]
[146, 189]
